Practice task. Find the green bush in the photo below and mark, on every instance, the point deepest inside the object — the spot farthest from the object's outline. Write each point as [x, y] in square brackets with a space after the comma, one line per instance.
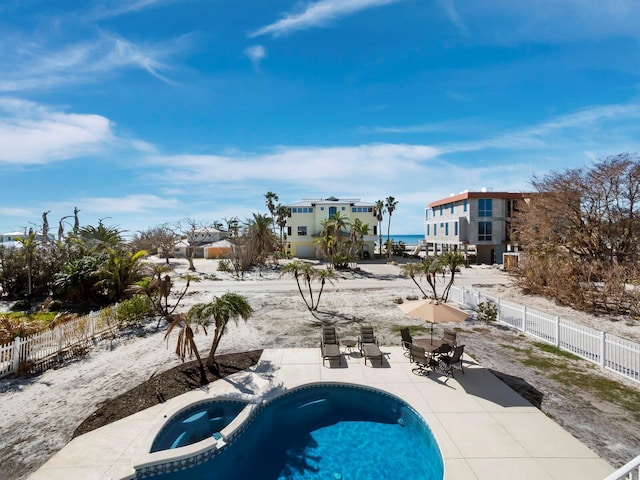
[224, 265]
[133, 311]
[487, 311]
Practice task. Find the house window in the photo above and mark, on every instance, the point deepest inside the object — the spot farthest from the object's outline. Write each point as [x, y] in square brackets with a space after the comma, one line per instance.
[321, 209]
[484, 231]
[353, 209]
[455, 228]
[343, 209]
[452, 207]
[428, 230]
[375, 229]
[441, 208]
[435, 229]
[289, 231]
[302, 231]
[464, 205]
[446, 228]
[485, 207]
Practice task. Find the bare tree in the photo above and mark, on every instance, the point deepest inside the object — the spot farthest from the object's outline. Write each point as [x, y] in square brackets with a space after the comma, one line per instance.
[581, 232]
[160, 239]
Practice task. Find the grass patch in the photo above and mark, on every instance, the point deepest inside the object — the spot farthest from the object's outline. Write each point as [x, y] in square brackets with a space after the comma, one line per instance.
[511, 347]
[545, 347]
[413, 329]
[569, 370]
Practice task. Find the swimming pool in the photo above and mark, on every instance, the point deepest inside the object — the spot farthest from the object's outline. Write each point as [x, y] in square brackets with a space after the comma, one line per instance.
[328, 431]
[196, 423]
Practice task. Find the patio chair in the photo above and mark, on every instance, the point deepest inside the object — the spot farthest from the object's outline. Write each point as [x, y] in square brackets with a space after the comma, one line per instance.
[450, 337]
[368, 344]
[406, 341]
[329, 345]
[422, 360]
[447, 364]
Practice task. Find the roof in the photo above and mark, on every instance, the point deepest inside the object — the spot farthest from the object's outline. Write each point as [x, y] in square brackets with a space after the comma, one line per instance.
[470, 195]
[312, 202]
[219, 244]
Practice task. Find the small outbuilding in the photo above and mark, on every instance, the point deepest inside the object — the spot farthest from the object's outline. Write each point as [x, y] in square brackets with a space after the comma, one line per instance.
[218, 249]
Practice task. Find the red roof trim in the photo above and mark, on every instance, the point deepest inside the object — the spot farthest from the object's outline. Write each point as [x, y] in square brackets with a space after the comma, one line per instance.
[469, 195]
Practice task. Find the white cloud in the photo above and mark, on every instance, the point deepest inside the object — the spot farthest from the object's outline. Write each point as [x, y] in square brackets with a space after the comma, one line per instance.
[116, 8]
[33, 66]
[506, 21]
[139, 203]
[31, 133]
[318, 14]
[310, 166]
[256, 53]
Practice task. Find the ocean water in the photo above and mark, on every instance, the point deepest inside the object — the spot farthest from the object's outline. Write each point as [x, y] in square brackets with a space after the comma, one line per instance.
[407, 239]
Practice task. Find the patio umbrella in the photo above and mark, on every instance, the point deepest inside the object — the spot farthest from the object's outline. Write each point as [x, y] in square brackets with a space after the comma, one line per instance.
[434, 312]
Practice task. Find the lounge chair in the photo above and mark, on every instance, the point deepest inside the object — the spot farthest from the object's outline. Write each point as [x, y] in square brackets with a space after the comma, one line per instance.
[422, 360]
[447, 364]
[368, 345]
[406, 341]
[329, 345]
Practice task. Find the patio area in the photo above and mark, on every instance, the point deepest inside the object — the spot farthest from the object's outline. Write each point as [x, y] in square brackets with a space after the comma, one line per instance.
[485, 430]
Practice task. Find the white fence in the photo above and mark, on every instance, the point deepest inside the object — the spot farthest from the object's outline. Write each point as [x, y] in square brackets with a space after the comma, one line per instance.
[74, 335]
[613, 353]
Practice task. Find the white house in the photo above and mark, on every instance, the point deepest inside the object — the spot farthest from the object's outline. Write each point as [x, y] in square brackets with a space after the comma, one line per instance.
[478, 224]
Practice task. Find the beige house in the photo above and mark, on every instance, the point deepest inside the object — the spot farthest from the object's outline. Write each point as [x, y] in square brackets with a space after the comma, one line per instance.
[305, 223]
[477, 224]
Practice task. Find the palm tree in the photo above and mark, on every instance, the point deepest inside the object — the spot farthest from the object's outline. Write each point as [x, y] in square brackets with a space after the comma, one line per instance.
[282, 213]
[101, 237]
[298, 269]
[379, 209]
[185, 344]
[324, 275]
[29, 245]
[451, 260]
[270, 201]
[121, 270]
[357, 233]
[390, 204]
[221, 309]
[261, 237]
[411, 270]
[431, 266]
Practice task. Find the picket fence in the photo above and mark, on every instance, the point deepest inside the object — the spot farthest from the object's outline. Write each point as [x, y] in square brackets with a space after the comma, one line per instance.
[609, 351]
[68, 338]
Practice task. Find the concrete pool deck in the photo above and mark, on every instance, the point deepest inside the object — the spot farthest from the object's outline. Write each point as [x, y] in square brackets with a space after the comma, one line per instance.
[485, 430]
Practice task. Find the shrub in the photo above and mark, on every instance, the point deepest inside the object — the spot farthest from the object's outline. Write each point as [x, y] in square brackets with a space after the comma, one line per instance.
[224, 265]
[487, 311]
[131, 312]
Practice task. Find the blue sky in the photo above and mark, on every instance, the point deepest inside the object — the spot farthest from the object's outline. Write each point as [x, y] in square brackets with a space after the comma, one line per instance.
[153, 111]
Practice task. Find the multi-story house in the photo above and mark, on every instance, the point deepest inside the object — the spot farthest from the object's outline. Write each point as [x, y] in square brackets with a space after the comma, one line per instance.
[477, 224]
[305, 223]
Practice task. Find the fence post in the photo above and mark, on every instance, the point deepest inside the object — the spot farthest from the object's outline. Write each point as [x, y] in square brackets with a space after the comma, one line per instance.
[60, 338]
[16, 354]
[524, 318]
[557, 331]
[603, 347]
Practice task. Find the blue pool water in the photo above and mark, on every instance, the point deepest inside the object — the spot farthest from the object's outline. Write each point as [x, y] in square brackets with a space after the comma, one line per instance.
[196, 423]
[335, 432]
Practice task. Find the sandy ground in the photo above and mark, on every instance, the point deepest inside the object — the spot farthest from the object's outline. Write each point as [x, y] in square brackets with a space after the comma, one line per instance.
[38, 415]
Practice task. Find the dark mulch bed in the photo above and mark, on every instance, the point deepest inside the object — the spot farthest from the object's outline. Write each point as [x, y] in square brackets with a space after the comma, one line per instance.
[160, 388]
